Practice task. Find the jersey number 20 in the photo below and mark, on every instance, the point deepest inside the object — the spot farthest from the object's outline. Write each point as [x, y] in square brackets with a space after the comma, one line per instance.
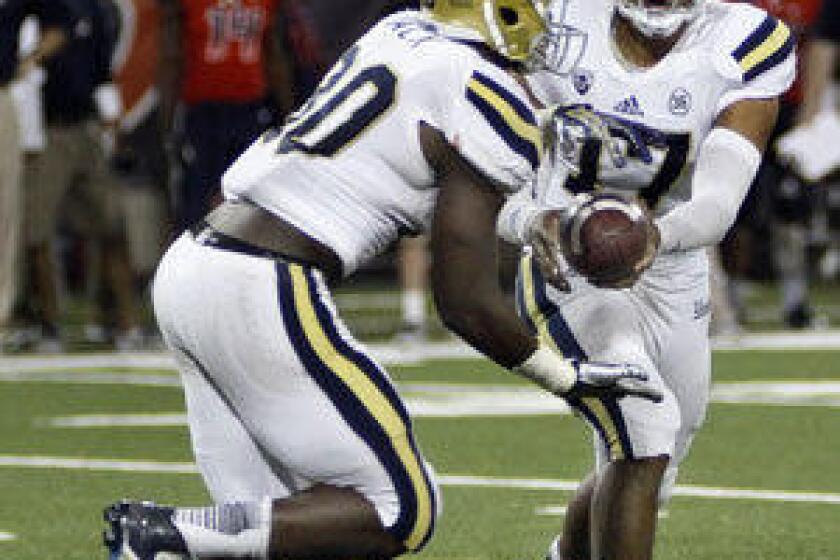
[335, 115]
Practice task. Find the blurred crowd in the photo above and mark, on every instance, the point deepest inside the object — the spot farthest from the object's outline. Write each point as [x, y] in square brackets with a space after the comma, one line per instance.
[118, 118]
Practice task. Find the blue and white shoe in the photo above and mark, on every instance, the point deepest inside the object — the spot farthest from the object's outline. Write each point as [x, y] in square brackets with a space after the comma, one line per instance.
[142, 531]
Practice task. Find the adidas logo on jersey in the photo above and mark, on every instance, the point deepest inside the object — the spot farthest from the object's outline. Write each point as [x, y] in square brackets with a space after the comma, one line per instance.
[629, 106]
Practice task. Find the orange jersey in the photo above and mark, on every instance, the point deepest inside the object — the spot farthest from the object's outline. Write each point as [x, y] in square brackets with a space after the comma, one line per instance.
[223, 44]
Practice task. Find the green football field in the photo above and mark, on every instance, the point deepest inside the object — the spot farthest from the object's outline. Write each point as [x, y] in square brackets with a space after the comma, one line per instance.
[762, 482]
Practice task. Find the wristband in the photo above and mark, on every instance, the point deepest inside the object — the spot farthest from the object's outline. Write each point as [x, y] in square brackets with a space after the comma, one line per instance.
[549, 370]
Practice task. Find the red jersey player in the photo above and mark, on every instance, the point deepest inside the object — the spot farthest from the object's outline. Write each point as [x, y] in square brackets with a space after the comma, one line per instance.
[221, 62]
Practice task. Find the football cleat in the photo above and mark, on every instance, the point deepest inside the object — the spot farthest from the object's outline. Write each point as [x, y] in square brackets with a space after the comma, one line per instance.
[142, 531]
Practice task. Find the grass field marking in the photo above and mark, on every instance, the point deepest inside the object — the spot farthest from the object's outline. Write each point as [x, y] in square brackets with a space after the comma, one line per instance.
[560, 511]
[92, 378]
[444, 480]
[5, 537]
[114, 360]
[395, 353]
[686, 491]
[459, 401]
[72, 463]
[116, 420]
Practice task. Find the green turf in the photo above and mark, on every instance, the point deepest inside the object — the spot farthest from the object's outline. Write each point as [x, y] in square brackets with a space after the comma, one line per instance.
[56, 513]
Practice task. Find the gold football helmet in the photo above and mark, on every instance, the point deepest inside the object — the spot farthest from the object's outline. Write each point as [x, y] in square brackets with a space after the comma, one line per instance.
[509, 26]
[526, 31]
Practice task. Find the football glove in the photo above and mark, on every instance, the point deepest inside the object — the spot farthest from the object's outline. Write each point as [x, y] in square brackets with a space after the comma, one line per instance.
[599, 379]
[572, 379]
[570, 127]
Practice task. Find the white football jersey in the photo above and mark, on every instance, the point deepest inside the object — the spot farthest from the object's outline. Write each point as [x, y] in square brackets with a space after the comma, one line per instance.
[729, 53]
[348, 168]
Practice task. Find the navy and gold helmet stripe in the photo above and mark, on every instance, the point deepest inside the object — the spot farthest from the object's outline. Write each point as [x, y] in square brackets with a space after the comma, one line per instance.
[545, 320]
[509, 116]
[362, 394]
[766, 47]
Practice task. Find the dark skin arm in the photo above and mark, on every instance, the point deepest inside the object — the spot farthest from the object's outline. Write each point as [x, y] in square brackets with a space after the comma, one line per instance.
[754, 119]
[465, 287]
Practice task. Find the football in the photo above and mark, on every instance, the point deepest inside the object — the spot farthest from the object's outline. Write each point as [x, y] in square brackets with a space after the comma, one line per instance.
[606, 240]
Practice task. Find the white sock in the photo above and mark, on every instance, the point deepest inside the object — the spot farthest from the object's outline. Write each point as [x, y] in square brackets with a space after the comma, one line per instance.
[238, 530]
[414, 307]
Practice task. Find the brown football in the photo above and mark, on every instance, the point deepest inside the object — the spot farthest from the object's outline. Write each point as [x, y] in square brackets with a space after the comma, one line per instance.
[607, 239]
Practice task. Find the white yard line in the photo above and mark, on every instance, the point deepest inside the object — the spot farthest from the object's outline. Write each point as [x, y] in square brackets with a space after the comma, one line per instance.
[70, 463]
[459, 401]
[689, 491]
[4, 537]
[396, 353]
[91, 378]
[560, 511]
[445, 480]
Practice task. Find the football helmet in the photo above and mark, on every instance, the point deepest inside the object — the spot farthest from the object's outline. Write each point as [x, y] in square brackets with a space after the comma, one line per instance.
[659, 18]
[521, 30]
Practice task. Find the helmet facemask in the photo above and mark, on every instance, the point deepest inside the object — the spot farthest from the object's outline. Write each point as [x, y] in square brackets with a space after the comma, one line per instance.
[561, 47]
[659, 18]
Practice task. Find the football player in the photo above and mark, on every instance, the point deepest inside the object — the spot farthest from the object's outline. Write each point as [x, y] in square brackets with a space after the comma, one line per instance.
[299, 434]
[700, 81]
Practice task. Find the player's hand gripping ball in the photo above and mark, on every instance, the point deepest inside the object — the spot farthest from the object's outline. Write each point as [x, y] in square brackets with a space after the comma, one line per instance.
[610, 241]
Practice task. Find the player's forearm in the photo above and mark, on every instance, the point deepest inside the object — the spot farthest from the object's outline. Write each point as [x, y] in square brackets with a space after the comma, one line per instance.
[819, 69]
[726, 166]
[467, 293]
[496, 334]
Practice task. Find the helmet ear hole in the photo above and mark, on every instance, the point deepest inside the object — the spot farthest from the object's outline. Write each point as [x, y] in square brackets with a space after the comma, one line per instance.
[508, 16]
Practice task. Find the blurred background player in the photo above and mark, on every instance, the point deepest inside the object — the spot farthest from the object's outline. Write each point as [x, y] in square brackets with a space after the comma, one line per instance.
[139, 160]
[812, 144]
[224, 79]
[70, 182]
[780, 206]
[55, 23]
[821, 62]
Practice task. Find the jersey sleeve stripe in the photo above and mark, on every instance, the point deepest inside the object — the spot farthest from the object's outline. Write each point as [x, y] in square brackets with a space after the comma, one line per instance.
[766, 47]
[509, 117]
